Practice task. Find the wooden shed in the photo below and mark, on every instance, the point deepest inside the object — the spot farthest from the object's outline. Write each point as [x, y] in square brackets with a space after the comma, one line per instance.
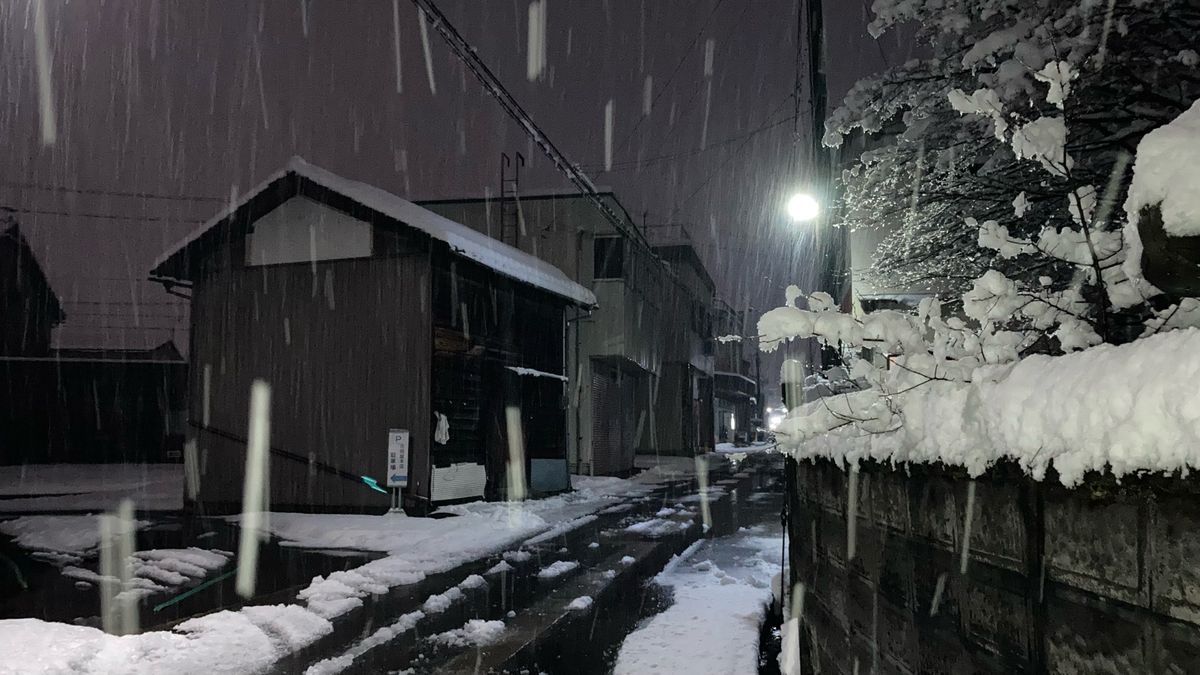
[365, 314]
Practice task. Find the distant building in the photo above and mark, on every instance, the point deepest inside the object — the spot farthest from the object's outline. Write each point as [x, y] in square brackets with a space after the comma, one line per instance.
[736, 397]
[629, 389]
[683, 405]
[77, 405]
[367, 313]
[28, 305]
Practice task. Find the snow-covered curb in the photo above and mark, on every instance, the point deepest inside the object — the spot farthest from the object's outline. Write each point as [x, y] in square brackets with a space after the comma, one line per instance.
[1124, 409]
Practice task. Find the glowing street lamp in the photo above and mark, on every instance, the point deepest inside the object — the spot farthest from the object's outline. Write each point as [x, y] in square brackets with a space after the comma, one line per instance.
[803, 207]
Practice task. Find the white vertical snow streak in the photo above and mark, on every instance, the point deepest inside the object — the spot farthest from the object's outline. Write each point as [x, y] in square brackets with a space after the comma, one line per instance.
[647, 91]
[965, 554]
[304, 17]
[423, 19]
[396, 43]
[851, 515]
[206, 395]
[516, 454]
[45, 84]
[535, 53]
[191, 469]
[254, 493]
[702, 477]
[608, 135]
[937, 594]
[262, 93]
[118, 611]
[709, 46]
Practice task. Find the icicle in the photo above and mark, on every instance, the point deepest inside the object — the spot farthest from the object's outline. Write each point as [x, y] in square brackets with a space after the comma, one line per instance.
[396, 44]
[966, 543]
[424, 21]
[254, 491]
[852, 514]
[937, 594]
[608, 135]
[44, 75]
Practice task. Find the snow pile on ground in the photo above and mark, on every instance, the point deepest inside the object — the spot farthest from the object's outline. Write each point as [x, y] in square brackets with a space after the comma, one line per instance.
[45, 488]
[1128, 408]
[416, 547]
[337, 664]
[247, 641]
[557, 569]
[77, 536]
[580, 604]
[721, 590]
[475, 633]
[157, 571]
[658, 527]
[1166, 173]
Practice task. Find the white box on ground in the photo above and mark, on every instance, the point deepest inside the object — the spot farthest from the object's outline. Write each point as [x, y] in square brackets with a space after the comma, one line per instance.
[397, 469]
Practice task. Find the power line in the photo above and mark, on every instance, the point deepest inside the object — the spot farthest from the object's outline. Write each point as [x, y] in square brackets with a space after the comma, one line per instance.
[635, 163]
[666, 85]
[100, 216]
[712, 174]
[107, 193]
[696, 92]
[470, 58]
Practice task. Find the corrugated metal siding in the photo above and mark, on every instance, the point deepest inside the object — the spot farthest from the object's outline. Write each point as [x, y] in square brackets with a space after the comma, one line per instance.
[606, 419]
[345, 346]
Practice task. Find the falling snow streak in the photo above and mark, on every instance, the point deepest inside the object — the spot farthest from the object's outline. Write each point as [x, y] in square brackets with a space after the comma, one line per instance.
[304, 17]
[965, 554]
[608, 135]
[702, 478]
[396, 44]
[937, 594]
[45, 84]
[254, 491]
[851, 514]
[516, 454]
[262, 93]
[647, 95]
[423, 20]
[118, 610]
[536, 52]
[709, 47]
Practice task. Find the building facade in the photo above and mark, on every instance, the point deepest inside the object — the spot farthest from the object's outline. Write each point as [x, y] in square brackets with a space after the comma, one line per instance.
[631, 391]
[368, 315]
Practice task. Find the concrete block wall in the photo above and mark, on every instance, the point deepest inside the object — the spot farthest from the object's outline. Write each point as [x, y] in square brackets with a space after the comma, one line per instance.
[1101, 578]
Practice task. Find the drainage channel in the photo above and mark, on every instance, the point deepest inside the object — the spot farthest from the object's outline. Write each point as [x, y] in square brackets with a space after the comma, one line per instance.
[360, 646]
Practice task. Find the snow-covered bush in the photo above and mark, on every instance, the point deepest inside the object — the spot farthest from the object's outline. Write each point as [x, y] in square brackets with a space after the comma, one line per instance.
[1002, 163]
[1015, 134]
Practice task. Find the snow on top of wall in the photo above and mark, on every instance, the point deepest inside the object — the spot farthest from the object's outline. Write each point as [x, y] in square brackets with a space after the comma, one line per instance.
[1125, 409]
[498, 256]
[1167, 172]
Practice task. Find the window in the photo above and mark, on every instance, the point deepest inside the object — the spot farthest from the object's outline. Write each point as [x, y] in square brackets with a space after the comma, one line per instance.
[609, 258]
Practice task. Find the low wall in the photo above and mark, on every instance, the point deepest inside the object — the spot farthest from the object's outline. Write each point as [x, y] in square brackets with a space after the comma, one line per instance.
[1103, 578]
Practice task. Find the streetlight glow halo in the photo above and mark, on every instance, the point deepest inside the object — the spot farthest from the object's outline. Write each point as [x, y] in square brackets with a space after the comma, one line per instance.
[803, 207]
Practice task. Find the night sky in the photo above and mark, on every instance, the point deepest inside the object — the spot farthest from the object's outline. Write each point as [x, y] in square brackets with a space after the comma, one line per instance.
[197, 100]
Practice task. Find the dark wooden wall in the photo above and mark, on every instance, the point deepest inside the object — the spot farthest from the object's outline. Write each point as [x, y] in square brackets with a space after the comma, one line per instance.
[346, 348]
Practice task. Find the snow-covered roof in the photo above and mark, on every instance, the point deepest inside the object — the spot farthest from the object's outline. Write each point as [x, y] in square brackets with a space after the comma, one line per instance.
[464, 241]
